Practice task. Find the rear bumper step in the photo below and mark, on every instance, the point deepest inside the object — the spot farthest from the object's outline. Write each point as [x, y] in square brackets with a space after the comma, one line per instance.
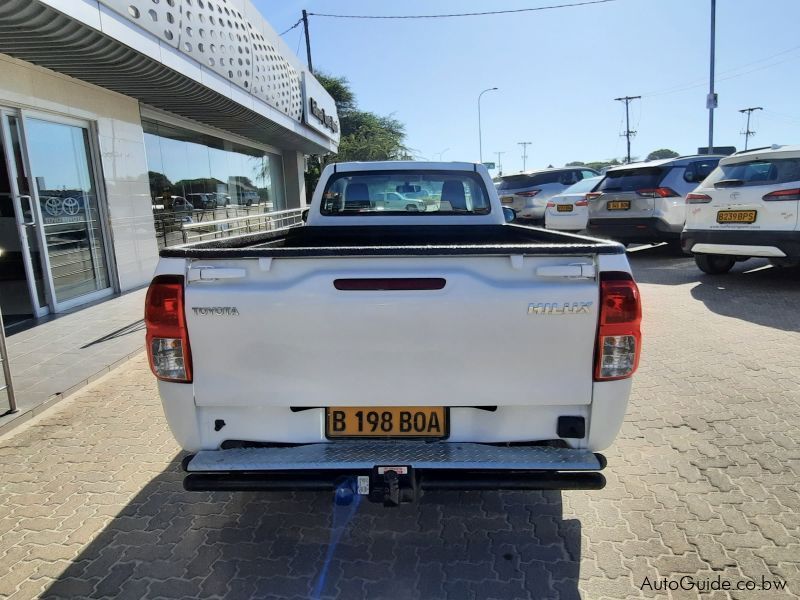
[426, 480]
[394, 472]
[354, 455]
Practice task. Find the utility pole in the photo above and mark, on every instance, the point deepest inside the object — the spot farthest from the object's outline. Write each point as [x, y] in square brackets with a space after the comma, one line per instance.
[747, 131]
[628, 133]
[499, 163]
[711, 100]
[308, 41]
[524, 152]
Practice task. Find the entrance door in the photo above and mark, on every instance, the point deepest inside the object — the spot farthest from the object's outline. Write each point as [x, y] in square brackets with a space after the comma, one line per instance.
[52, 243]
[22, 281]
[71, 225]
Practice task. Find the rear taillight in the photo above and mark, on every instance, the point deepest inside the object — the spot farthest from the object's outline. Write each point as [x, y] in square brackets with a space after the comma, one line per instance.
[619, 337]
[792, 194]
[529, 194]
[584, 202]
[551, 205]
[167, 338]
[698, 198]
[593, 195]
[659, 192]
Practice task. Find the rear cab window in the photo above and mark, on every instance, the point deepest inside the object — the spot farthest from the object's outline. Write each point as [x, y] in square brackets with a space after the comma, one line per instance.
[756, 172]
[631, 180]
[407, 192]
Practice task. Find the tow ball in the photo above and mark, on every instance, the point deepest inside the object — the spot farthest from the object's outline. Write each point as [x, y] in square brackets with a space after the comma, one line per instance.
[390, 485]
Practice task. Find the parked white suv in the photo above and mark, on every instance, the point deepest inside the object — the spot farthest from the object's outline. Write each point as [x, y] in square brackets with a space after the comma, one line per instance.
[748, 206]
[528, 193]
[645, 202]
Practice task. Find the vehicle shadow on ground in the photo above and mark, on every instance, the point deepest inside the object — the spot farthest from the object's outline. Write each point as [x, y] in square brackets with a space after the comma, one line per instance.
[662, 265]
[169, 543]
[766, 296]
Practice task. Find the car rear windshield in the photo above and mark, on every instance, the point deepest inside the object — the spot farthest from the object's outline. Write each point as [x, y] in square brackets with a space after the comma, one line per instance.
[756, 172]
[630, 180]
[516, 182]
[585, 185]
[407, 192]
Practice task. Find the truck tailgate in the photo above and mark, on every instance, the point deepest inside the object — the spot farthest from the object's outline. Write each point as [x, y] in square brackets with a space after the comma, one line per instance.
[278, 332]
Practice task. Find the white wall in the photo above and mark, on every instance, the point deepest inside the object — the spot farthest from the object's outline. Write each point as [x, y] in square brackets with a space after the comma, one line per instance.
[121, 145]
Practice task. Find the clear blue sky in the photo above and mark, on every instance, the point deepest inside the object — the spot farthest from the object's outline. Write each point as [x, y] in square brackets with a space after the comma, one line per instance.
[558, 72]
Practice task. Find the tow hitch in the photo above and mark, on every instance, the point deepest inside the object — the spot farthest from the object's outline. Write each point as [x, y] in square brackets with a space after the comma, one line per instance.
[390, 486]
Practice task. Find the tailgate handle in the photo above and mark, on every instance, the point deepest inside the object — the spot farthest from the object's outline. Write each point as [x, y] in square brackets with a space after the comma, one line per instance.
[215, 273]
[382, 284]
[579, 271]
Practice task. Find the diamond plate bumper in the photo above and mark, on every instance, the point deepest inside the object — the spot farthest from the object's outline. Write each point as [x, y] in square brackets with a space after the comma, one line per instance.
[344, 456]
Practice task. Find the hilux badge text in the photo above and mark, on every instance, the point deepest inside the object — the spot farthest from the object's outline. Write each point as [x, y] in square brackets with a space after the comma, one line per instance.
[556, 308]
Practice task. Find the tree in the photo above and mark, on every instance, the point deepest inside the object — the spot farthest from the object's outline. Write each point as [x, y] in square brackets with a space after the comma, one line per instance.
[575, 163]
[364, 135]
[662, 153]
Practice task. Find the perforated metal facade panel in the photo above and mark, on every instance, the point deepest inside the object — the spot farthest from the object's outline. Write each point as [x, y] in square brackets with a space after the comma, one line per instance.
[237, 46]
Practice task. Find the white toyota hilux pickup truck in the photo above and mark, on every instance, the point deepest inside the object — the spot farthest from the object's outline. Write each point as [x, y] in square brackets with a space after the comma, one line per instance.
[387, 350]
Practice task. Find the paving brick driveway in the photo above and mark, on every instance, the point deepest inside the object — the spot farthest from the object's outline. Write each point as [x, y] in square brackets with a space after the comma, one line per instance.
[703, 481]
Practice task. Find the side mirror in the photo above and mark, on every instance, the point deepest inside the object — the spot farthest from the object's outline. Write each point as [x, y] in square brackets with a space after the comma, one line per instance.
[509, 213]
[304, 215]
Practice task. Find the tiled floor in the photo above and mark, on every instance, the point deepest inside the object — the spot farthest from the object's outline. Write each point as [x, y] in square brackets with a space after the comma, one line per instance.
[55, 358]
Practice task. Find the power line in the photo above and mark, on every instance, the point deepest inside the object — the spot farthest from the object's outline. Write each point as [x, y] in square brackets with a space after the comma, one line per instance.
[690, 85]
[747, 132]
[629, 133]
[473, 14]
[300, 20]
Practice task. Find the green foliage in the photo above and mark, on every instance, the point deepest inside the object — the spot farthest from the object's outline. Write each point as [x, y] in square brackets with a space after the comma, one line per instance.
[364, 135]
[596, 165]
[662, 153]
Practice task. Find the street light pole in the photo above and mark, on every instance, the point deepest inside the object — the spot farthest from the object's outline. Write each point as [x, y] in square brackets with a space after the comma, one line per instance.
[711, 101]
[442, 153]
[480, 139]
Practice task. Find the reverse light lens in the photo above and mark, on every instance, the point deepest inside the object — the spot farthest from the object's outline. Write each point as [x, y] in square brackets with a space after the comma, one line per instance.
[792, 194]
[618, 358]
[698, 199]
[168, 358]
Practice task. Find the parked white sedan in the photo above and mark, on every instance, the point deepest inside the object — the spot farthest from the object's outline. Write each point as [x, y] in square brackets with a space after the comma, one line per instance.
[569, 210]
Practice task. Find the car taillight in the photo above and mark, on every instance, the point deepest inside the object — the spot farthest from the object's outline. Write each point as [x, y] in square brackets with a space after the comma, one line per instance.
[584, 202]
[619, 338]
[593, 195]
[551, 204]
[167, 337]
[659, 192]
[792, 194]
[529, 194]
[698, 198]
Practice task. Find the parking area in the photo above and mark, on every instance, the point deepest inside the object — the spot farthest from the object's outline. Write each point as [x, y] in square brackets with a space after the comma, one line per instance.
[702, 482]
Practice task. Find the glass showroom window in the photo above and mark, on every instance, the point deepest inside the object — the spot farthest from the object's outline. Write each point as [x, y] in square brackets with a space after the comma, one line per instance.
[196, 178]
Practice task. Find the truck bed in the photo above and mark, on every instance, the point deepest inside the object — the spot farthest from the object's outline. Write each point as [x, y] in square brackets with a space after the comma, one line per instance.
[421, 240]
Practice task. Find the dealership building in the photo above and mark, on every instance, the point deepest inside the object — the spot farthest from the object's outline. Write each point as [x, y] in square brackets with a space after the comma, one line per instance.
[122, 121]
